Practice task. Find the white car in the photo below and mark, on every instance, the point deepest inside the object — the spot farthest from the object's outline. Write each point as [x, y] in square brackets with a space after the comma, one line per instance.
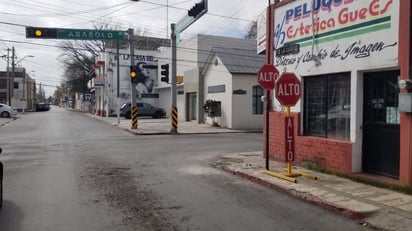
[6, 111]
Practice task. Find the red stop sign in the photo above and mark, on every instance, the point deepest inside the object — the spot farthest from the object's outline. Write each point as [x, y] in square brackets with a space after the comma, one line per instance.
[267, 76]
[288, 89]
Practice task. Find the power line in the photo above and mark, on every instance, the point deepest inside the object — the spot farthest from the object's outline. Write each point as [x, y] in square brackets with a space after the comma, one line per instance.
[69, 13]
[158, 57]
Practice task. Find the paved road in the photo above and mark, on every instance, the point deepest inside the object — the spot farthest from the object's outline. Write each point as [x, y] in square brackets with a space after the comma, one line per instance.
[68, 171]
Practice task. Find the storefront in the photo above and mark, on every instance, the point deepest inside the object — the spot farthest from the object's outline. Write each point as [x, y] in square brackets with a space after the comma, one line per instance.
[351, 57]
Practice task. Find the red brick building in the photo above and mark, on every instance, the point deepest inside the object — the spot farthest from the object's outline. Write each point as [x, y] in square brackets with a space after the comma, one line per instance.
[352, 56]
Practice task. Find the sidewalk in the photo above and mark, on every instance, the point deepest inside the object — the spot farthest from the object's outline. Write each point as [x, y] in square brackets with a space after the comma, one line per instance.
[149, 126]
[377, 207]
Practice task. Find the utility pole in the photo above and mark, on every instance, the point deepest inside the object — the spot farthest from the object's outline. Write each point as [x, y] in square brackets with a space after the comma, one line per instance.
[118, 82]
[12, 76]
[8, 78]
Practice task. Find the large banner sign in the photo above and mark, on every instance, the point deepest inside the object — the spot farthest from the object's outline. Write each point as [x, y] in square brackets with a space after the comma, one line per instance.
[337, 35]
[148, 76]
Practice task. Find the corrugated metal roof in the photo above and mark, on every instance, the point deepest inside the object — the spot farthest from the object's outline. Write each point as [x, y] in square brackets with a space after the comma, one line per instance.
[240, 61]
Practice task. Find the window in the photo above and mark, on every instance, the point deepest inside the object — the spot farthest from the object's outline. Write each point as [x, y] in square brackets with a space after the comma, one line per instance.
[16, 85]
[3, 84]
[257, 102]
[327, 106]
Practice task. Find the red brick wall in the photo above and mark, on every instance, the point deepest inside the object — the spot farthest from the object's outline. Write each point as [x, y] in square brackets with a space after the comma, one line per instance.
[332, 154]
[405, 63]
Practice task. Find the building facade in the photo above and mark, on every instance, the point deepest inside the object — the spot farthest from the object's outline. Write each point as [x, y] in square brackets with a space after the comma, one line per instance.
[113, 79]
[192, 56]
[351, 57]
[192, 94]
[23, 95]
[232, 90]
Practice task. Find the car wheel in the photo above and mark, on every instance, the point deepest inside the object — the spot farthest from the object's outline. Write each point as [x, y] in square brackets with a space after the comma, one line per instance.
[127, 115]
[158, 115]
[5, 114]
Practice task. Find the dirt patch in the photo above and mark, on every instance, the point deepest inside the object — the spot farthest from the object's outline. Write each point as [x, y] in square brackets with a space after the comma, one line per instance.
[122, 190]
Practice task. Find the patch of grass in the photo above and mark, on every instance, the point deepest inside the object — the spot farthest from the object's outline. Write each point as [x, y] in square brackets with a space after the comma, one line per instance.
[395, 187]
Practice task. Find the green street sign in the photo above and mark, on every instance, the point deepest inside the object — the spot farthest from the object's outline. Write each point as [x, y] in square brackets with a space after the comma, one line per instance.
[75, 34]
[80, 34]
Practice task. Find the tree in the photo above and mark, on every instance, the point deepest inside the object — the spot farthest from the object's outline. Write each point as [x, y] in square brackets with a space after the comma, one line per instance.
[58, 95]
[78, 58]
[251, 31]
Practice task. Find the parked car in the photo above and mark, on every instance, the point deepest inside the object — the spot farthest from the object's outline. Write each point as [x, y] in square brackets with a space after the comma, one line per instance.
[143, 109]
[1, 182]
[6, 111]
[42, 107]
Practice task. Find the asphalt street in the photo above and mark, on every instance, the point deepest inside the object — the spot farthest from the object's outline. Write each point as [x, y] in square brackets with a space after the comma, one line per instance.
[67, 171]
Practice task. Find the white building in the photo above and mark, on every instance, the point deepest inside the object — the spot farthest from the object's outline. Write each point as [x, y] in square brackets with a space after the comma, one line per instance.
[194, 59]
[230, 80]
[192, 56]
[113, 75]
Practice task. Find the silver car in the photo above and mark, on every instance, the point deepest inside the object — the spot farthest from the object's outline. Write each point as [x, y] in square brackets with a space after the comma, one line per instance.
[6, 111]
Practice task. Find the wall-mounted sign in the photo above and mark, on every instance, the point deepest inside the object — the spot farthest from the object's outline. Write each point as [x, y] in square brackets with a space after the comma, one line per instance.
[239, 92]
[261, 32]
[288, 49]
[337, 35]
[99, 82]
[216, 89]
[137, 58]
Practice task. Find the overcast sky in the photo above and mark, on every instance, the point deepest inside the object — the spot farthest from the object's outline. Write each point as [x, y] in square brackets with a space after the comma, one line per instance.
[225, 18]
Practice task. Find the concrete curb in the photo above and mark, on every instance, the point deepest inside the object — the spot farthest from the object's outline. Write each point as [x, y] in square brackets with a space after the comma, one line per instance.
[304, 197]
[4, 123]
[186, 131]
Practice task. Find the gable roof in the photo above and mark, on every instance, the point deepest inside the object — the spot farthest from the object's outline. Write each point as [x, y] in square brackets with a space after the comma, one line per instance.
[238, 61]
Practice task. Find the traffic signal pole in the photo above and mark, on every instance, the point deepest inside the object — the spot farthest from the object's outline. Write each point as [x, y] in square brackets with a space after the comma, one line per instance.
[133, 100]
[194, 14]
[174, 114]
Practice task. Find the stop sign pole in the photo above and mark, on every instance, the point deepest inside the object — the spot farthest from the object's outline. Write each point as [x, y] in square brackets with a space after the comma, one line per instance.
[288, 93]
[268, 73]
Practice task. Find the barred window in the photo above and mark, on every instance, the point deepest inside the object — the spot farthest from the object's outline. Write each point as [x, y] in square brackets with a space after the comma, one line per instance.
[257, 102]
[327, 106]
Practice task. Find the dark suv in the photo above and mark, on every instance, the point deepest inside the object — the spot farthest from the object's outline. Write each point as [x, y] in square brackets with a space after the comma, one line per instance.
[143, 109]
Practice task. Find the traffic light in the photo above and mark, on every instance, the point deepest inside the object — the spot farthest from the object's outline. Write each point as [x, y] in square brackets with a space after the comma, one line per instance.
[165, 73]
[41, 32]
[197, 9]
[133, 74]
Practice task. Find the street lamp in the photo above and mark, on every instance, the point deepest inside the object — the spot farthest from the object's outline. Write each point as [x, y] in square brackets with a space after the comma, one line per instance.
[27, 56]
